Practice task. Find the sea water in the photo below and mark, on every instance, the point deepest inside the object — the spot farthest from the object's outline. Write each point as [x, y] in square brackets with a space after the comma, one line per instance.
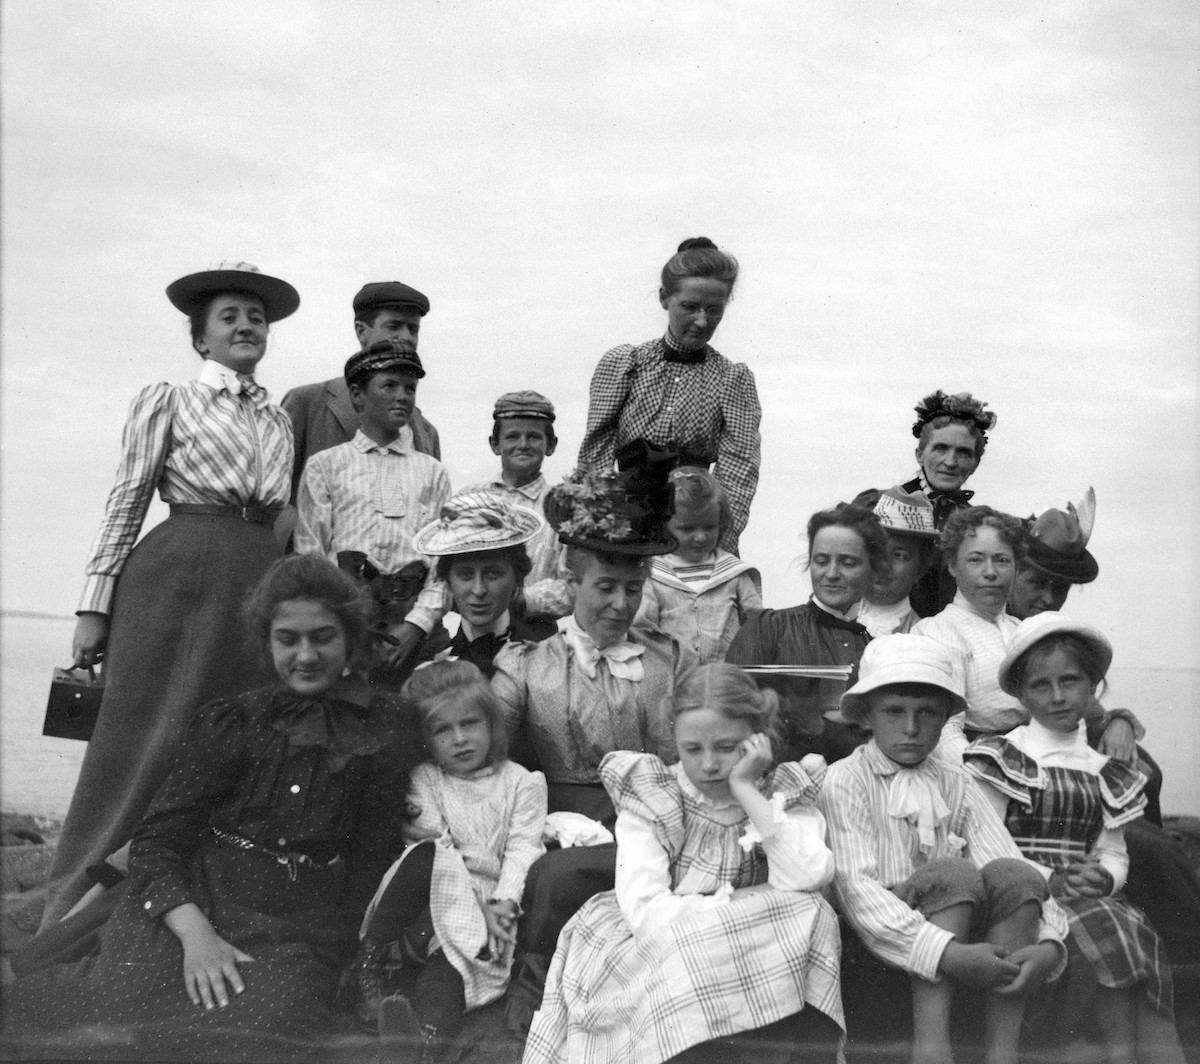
[38, 774]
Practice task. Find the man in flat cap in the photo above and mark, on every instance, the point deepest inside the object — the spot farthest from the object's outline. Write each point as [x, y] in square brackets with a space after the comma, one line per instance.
[322, 414]
[361, 503]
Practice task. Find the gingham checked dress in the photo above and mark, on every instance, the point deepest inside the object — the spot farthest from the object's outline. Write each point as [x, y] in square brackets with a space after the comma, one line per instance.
[712, 973]
[1055, 814]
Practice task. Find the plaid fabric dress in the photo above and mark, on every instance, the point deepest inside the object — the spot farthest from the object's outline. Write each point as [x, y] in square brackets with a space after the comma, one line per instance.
[1055, 815]
[709, 974]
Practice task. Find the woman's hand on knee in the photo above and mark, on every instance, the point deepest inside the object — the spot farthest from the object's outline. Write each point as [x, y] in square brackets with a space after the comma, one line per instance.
[210, 964]
[91, 637]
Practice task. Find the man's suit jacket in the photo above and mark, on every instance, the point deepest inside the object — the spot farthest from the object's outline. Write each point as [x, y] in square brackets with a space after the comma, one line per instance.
[323, 416]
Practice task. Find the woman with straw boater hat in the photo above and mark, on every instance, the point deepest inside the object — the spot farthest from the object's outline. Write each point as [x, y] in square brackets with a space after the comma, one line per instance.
[159, 616]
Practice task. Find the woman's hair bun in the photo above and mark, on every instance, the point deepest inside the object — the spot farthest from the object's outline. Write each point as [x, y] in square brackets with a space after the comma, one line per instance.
[696, 242]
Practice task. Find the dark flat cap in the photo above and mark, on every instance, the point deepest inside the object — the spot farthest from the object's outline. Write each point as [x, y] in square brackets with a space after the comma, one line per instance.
[383, 354]
[390, 294]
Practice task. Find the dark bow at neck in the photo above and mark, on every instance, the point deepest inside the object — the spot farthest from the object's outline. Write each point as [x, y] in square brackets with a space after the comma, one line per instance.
[333, 721]
[672, 352]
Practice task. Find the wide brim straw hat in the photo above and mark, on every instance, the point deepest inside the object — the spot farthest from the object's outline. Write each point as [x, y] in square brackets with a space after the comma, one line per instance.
[279, 299]
[1043, 625]
[475, 521]
[905, 513]
[905, 658]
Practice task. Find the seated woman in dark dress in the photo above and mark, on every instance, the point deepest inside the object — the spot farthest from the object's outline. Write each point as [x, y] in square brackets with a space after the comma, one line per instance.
[847, 550]
[252, 868]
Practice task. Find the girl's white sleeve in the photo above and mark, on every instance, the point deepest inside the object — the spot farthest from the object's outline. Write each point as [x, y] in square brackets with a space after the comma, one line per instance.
[643, 884]
[1109, 849]
[798, 858]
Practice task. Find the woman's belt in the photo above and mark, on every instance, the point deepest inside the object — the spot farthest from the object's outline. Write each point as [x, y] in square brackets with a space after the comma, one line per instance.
[291, 859]
[703, 461]
[259, 515]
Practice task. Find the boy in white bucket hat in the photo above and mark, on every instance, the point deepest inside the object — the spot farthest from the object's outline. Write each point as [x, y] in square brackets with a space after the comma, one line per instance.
[927, 876]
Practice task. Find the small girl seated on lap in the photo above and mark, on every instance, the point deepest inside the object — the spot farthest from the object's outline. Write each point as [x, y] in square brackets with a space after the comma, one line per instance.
[477, 827]
[716, 926]
[1067, 806]
[926, 874]
[700, 593]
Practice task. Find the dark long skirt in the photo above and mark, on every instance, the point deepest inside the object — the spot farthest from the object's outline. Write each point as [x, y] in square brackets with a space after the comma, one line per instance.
[176, 641]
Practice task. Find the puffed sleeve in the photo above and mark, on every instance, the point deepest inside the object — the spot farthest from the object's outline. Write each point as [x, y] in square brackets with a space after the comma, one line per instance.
[144, 447]
[798, 857]
[207, 765]
[314, 509]
[510, 686]
[756, 642]
[524, 845]
[890, 929]
[739, 449]
[606, 396]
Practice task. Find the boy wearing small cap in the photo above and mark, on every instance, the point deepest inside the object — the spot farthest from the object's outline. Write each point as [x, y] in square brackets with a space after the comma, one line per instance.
[523, 438]
[926, 874]
[322, 414]
[368, 498]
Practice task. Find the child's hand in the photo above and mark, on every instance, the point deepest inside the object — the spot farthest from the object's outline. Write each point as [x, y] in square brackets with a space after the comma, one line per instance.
[501, 919]
[1035, 963]
[982, 964]
[755, 760]
[1087, 878]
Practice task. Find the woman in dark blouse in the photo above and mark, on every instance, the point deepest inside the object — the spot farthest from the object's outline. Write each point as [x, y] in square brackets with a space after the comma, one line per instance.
[252, 869]
[847, 549]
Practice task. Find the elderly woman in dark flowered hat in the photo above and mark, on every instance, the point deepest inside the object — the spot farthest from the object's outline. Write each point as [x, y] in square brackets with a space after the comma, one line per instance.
[951, 432]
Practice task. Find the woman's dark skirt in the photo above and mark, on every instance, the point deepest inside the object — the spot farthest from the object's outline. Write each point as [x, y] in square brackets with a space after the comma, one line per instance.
[176, 641]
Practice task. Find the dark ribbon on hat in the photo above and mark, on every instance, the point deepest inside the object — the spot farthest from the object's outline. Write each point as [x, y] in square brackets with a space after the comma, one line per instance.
[333, 722]
[672, 352]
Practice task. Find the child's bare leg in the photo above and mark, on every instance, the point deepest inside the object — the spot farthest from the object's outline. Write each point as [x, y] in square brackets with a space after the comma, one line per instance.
[1157, 1038]
[932, 1001]
[1116, 1016]
[1004, 1014]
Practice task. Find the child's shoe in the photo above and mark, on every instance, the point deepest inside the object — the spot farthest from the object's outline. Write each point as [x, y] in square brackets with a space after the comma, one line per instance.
[369, 982]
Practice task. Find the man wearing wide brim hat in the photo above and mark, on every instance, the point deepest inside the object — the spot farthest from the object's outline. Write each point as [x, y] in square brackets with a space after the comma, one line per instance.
[322, 414]
[1055, 558]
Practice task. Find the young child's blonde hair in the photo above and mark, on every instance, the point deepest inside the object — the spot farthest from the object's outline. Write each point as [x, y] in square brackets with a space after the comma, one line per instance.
[733, 694]
[433, 687]
[696, 488]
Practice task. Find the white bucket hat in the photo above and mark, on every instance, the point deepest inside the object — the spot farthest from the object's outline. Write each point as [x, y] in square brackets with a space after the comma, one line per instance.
[1041, 625]
[907, 658]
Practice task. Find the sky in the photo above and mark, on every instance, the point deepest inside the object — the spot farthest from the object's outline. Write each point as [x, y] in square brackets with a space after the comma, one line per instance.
[995, 197]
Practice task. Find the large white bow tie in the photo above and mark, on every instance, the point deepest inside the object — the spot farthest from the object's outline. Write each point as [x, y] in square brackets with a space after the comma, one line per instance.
[624, 658]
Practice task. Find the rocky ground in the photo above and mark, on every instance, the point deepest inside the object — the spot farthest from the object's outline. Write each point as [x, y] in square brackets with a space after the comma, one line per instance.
[27, 845]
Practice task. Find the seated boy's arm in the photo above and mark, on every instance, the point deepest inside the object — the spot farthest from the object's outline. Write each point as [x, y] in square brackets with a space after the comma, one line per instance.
[896, 933]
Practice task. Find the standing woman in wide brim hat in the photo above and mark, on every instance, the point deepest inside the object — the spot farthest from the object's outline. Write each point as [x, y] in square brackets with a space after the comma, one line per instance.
[160, 616]
[678, 392]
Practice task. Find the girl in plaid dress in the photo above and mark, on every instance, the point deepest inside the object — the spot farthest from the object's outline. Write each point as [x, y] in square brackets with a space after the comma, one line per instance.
[452, 899]
[716, 926]
[1066, 806]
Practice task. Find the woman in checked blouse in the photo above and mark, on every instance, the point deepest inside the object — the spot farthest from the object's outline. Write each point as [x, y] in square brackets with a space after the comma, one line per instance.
[160, 615]
[677, 391]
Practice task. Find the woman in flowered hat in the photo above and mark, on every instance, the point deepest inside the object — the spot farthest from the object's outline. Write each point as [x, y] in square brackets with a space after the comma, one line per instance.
[680, 393]
[159, 615]
[593, 687]
[951, 432]
[480, 544]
